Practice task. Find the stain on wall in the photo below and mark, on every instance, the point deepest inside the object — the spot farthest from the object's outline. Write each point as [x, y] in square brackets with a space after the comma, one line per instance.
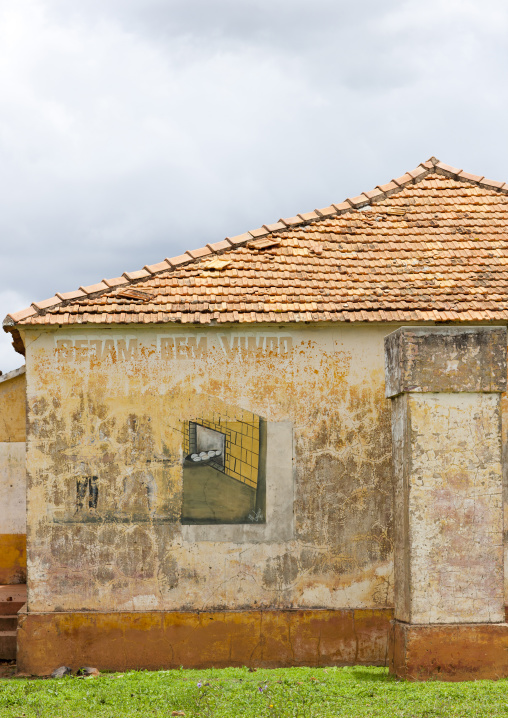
[109, 404]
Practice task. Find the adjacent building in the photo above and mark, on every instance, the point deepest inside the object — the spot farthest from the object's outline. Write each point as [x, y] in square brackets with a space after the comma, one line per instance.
[13, 477]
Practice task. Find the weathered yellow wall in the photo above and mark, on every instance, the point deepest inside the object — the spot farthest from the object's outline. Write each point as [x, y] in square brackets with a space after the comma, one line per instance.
[110, 403]
[97, 406]
[13, 409]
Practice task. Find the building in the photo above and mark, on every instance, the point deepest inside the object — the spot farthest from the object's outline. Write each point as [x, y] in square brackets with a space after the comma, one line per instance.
[12, 478]
[212, 451]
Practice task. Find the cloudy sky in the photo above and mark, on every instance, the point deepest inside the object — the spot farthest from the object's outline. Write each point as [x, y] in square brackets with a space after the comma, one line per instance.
[131, 130]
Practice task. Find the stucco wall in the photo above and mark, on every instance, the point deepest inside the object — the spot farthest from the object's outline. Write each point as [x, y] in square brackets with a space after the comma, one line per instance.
[450, 566]
[108, 407]
[12, 488]
[12, 408]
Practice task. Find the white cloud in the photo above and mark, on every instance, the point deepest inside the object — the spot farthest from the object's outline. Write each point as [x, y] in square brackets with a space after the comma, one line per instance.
[131, 130]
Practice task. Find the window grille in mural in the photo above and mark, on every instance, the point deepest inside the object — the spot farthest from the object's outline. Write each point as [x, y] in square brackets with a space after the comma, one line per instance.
[224, 469]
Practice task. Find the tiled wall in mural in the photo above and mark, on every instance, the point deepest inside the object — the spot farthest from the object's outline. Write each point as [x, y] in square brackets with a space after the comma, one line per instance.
[223, 471]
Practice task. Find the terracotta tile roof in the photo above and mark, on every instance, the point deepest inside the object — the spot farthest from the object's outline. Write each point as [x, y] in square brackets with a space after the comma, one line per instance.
[431, 245]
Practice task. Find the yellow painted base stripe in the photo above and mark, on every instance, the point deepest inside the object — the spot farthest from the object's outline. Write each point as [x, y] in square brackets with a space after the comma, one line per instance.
[12, 558]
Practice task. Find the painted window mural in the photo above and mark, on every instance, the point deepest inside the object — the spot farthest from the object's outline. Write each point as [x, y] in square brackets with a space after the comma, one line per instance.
[224, 469]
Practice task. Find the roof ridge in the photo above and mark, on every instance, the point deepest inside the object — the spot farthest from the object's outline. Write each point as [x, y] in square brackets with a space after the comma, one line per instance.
[12, 374]
[379, 193]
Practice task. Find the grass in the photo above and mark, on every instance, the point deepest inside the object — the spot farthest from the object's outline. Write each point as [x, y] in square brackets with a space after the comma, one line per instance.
[239, 693]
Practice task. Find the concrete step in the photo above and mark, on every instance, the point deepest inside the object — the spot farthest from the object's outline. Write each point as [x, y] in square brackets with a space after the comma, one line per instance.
[12, 598]
[7, 645]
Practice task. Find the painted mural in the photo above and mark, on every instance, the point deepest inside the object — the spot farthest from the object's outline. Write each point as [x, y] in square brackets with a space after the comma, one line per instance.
[224, 469]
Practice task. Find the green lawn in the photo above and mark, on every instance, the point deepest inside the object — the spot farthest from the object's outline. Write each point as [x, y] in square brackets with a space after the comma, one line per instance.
[236, 692]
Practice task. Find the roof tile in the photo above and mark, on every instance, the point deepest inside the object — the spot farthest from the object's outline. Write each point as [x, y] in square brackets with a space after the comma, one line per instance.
[93, 288]
[433, 248]
[469, 176]
[115, 282]
[326, 211]
[178, 261]
[198, 253]
[23, 314]
[138, 274]
[448, 168]
[219, 246]
[240, 238]
[260, 232]
[389, 188]
[375, 194]
[359, 201]
[290, 221]
[275, 227]
[66, 296]
[342, 207]
[492, 184]
[419, 172]
[404, 179]
[46, 303]
[154, 268]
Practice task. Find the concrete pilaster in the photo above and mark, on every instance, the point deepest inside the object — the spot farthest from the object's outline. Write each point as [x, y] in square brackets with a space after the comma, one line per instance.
[445, 385]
